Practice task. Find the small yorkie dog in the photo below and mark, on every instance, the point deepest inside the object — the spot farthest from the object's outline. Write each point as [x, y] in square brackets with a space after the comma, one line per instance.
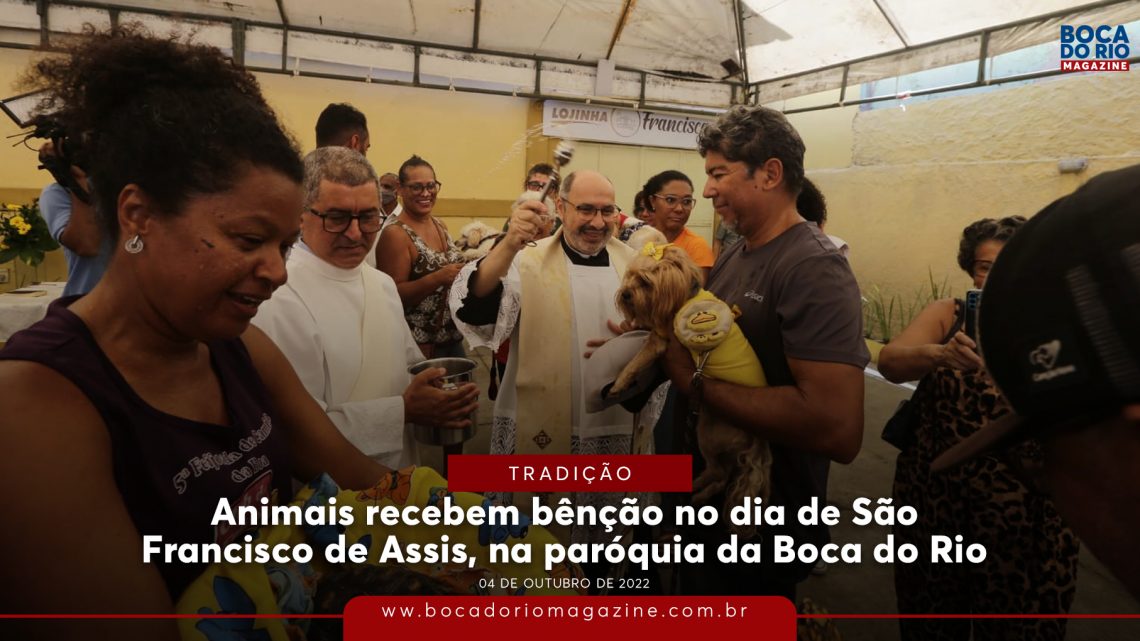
[661, 292]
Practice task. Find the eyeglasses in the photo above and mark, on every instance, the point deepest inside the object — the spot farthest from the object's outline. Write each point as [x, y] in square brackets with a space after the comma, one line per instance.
[535, 185]
[336, 221]
[609, 212]
[672, 201]
[431, 187]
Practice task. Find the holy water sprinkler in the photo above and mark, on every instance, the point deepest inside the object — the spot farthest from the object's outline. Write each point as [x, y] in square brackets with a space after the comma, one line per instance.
[563, 152]
[562, 155]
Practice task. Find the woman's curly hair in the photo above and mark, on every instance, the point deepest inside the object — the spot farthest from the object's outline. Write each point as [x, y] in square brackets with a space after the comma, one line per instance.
[979, 231]
[177, 119]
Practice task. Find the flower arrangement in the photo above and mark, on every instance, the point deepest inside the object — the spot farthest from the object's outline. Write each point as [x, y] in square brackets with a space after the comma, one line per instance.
[24, 234]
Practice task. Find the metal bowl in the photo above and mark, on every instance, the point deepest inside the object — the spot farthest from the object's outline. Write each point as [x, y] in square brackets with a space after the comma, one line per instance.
[459, 371]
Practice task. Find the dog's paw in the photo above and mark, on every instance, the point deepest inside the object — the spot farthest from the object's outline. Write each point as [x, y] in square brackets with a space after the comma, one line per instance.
[624, 380]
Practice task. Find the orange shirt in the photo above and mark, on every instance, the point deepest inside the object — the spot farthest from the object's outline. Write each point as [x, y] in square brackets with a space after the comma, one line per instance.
[695, 247]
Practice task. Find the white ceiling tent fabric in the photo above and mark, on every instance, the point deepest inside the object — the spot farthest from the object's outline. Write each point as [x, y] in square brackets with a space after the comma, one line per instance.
[684, 55]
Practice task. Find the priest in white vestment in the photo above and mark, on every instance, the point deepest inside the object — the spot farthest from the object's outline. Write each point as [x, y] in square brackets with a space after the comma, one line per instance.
[341, 323]
[549, 300]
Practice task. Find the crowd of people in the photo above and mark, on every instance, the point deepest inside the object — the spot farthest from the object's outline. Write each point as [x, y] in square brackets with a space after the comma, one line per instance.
[228, 294]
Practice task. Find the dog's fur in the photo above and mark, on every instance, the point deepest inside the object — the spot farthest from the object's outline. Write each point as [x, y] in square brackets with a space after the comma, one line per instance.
[652, 292]
[476, 239]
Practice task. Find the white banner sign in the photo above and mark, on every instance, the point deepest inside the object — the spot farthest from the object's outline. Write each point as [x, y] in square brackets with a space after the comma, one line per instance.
[624, 126]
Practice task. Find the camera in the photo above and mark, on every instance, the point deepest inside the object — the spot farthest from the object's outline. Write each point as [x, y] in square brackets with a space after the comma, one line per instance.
[64, 153]
[973, 302]
[65, 150]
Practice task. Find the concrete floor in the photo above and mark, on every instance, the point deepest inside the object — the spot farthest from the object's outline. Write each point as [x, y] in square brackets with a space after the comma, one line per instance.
[868, 588]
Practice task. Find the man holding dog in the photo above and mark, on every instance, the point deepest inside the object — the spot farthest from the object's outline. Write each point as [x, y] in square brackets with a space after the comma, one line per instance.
[802, 314]
[341, 323]
[549, 300]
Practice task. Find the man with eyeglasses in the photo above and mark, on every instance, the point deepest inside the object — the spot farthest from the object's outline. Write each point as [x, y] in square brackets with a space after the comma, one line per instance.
[341, 324]
[549, 300]
[538, 176]
[801, 312]
[390, 209]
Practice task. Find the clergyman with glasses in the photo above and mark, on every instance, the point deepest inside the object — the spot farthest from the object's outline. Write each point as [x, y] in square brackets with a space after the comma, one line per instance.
[669, 201]
[341, 323]
[418, 253]
[549, 300]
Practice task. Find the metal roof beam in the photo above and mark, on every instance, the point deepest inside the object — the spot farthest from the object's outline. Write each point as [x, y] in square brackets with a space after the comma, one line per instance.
[475, 29]
[742, 48]
[893, 21]
[620, 26]
[978, 33]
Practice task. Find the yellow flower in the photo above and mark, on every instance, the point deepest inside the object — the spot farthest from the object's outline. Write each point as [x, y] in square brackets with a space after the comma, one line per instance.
[17, 220]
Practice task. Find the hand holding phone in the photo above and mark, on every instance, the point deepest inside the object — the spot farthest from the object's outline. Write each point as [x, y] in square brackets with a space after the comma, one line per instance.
[973, 302]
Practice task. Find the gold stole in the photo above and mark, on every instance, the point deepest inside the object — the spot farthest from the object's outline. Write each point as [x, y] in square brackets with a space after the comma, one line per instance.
[545, 345]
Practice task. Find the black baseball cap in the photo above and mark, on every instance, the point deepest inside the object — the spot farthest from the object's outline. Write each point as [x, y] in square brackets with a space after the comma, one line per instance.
[1059, 321]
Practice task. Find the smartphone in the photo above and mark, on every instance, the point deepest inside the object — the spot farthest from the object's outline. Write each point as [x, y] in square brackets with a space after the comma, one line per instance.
[973, 302]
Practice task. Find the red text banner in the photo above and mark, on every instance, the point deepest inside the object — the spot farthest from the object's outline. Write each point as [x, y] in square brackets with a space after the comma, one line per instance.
[578, 473]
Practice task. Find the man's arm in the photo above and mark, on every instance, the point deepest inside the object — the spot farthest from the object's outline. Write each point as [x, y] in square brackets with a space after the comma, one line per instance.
[522, 228]
[71, 221]
[821, 413]
[821, 326]
[374, 425]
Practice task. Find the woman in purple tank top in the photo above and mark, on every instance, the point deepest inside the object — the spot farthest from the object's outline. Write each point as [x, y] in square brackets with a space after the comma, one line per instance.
[132, 410]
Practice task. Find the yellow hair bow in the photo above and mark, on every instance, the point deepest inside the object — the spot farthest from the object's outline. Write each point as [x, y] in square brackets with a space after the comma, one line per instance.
[657, 252]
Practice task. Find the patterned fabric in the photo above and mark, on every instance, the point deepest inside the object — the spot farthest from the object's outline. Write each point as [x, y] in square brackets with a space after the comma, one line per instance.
[1031, 561]
[626, 230]
[430, 320]
[288, 588]
[726, 235]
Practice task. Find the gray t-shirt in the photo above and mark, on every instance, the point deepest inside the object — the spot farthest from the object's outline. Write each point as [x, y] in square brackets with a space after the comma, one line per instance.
[799, 300]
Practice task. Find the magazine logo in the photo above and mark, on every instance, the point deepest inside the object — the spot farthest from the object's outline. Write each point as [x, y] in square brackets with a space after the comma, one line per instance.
[1094, 48]
[1045, 357]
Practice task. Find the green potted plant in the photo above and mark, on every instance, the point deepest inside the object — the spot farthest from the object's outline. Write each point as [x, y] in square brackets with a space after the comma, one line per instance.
[24, 235]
